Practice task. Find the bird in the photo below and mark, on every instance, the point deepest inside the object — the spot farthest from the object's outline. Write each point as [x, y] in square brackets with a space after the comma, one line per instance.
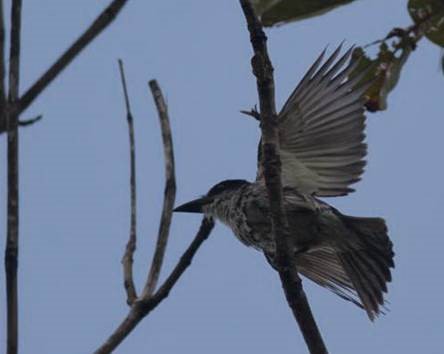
[322, 150]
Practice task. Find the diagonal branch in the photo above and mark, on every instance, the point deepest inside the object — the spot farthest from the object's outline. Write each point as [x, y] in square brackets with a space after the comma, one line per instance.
[97, 27]
[12, 237]
[127, 260]
[169, 193]
[143, 307]
[291, 282]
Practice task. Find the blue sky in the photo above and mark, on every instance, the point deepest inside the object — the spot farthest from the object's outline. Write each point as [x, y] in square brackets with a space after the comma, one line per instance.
[74, 182]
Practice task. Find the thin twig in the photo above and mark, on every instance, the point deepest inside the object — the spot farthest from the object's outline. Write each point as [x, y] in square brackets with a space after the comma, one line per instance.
[142, 308]
[31, 121]
[291, 282]
[12, 238]
[253, 113]
[169, 192]
[97, 27]
[127, 260]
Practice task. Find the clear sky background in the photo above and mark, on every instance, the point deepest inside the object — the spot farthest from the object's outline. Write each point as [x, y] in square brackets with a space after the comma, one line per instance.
[75, 192]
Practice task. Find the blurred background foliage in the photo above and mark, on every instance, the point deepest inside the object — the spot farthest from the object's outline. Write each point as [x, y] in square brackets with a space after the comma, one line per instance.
[393, 51]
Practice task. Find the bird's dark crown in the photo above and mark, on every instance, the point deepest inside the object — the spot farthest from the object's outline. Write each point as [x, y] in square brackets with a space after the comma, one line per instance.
[229, 184]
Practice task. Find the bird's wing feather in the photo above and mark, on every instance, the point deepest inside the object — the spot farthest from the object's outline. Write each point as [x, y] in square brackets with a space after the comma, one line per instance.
[350, 274]
[321, 129]
[324, 268]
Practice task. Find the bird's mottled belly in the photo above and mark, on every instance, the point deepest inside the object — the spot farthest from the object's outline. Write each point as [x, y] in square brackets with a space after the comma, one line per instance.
[251, 227]
[248, 215]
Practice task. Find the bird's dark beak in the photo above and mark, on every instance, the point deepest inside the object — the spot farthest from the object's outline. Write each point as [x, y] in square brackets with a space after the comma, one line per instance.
[195, 206]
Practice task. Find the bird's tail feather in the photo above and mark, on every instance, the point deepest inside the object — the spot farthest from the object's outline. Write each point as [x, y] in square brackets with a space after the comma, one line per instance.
[358, 270]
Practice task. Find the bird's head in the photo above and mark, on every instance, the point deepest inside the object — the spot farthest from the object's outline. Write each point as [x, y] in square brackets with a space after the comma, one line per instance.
[219, 190]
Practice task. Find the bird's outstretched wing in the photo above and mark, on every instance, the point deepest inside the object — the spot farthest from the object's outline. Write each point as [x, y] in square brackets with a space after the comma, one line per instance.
[321, 129]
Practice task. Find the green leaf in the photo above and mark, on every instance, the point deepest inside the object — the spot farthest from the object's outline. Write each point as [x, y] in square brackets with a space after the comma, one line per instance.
[429, 16]
[275, 12]
[384, 70]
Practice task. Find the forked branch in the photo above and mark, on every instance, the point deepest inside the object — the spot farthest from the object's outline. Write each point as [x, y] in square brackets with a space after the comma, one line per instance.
[150, 298]
[10, 109]
[144, 306]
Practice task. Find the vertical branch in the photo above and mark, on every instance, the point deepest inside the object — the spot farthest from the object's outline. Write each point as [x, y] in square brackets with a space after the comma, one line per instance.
[14, 54]
[100, 23]
[12, 240]
[2, 68]
[169, 193]
[291, 282]
[127, 260]
[2, 71]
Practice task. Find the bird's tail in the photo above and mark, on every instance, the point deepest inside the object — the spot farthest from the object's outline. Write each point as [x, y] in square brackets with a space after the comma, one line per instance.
[359, 269]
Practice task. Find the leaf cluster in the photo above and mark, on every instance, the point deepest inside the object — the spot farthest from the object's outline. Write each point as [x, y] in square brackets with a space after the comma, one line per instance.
[393, 50]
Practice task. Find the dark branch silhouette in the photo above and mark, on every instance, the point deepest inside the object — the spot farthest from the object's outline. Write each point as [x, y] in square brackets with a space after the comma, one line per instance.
[12, 237]
[2, 66]
[127, 260]
[31, 121]
[254, 113]
[97, 27]
[291, 282]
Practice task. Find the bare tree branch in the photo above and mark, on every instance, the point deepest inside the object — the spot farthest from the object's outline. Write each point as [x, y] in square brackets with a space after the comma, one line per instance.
[9, 120]
[14, 54]
[99, 24]
[2, 66]
[127, 260]
[149, 299]
[291, 282]
[12, 238]
[144, 306]
[169, 192]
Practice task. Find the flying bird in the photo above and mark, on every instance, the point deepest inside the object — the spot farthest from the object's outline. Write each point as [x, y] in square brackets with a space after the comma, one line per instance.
[322, 150]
